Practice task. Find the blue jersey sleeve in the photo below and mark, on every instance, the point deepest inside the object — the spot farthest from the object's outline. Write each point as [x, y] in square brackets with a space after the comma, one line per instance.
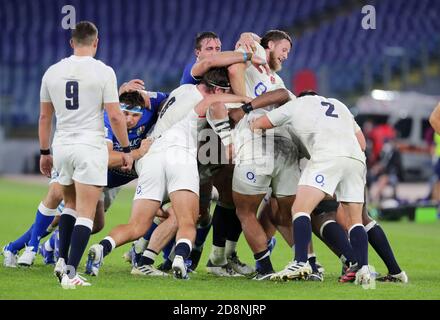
[187, 77]
[156, 99]
[108, 128]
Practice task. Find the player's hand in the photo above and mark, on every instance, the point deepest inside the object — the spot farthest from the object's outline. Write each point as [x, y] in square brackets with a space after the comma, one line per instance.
[132, 85]
[127, 162]
[236, 114]
[247, 42]
[146, 98]
[46, 164]
[261, 64]
[145, 146]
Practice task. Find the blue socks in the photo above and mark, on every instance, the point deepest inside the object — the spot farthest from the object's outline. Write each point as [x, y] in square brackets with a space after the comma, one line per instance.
[150, 231]
[21, 242]
[379, 242]
[335, 236]
[65, 227]
[201, 234]
[80, 238]
[183, 248]
[302, 233]
[43, 219]
[359, 242]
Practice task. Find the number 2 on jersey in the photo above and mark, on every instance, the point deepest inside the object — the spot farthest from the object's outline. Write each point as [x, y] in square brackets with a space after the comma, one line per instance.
[72, 102]
[331, 108]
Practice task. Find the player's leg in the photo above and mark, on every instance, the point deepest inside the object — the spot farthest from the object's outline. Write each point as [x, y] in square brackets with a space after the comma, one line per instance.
[226, 230]
[40, 228]
[379, 241]
[203, 223]
[142, 214]
[186, 206]
[162, 235]
[307, 198]
[326, 228]
[87, 197]
[65, 228]
[247, 206]
[350, 192]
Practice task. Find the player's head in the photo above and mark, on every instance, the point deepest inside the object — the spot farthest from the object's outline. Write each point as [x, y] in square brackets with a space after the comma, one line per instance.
[84, 35]
[306, 93]
[279, 44]
[207, 43]
[132, 104]
[216, 80]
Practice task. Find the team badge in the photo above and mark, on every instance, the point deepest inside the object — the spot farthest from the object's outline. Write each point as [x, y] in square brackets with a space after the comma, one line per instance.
[140, 130]
[272, 79]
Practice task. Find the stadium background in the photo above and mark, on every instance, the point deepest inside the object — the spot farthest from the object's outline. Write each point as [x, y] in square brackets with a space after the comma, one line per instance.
[153, 40]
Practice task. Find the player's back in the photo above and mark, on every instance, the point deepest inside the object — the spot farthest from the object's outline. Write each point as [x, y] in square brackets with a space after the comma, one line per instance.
[78, 87]
[179, 104]
[325, 126]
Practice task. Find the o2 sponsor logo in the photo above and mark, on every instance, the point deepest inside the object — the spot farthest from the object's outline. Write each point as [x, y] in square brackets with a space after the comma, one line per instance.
[320, 179]
[260, 88]
[251, 177]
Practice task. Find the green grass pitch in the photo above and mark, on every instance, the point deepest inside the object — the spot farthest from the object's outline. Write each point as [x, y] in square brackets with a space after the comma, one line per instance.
[416, 247]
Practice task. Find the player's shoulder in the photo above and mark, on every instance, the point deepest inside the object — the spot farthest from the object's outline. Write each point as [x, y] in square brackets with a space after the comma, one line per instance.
[185, 89]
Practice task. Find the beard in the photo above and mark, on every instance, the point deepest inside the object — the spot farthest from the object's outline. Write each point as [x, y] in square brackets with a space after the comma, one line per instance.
[274, 63]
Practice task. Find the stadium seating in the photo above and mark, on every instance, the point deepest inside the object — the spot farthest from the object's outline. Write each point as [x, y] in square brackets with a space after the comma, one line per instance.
[153, 40]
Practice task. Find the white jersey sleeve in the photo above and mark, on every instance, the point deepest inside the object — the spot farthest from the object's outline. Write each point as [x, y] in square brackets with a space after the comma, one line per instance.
[44, 92]
[111, 94]
[180, 102]
[279, 116]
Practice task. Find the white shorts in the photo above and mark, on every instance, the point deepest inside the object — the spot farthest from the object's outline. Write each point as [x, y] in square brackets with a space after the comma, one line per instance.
[252, 179]
[345, 177]
[108, 196]
[161, 173]
[279, 171]
[81, 163]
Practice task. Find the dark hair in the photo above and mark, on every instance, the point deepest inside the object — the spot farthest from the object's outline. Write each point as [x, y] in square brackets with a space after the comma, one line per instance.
[85, 33]
[216, 77]
[275, 35]
[204, 35]
[133, 99]
[307, 93]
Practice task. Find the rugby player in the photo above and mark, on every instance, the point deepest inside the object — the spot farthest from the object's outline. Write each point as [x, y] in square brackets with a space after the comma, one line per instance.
[76, 89]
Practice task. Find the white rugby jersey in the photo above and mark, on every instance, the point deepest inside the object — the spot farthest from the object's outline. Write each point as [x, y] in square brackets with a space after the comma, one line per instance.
[249, 146]
[179, 104]
[325, 126]
[78, 87]
[183, 134]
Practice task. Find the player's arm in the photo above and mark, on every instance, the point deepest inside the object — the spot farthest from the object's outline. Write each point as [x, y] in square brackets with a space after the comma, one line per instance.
[202, 106]
[275, 118]
[116, 160]
[276, 97]
[434, 119]
[223, 59]
[359, 136]
[119, 127]
[44, 132]
[247, 41]
[236, 74]
[132, 85]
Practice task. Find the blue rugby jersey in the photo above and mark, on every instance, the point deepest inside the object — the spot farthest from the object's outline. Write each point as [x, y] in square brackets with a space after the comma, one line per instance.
[187, 78]
[116, 177]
